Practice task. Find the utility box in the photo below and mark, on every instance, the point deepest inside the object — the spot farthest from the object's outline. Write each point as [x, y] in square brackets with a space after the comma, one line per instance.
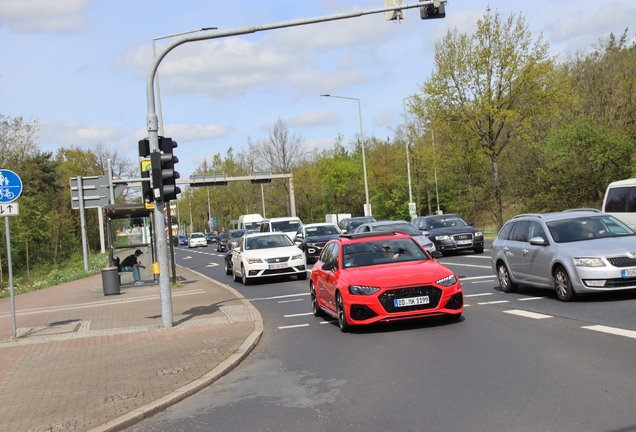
[336, 218]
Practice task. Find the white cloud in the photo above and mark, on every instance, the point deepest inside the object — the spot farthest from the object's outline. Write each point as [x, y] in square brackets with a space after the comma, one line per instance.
[196, 132]
[383, 119]
[312, 119]
[55, 16]
[66, 134]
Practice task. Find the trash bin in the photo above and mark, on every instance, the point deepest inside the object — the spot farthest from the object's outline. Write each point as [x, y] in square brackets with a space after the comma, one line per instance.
[110, 281]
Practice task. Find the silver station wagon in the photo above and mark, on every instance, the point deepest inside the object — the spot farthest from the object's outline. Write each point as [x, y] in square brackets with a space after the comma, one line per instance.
[573, 252]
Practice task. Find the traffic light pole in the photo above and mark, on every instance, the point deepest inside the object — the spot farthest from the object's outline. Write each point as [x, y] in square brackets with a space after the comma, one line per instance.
[152, 121]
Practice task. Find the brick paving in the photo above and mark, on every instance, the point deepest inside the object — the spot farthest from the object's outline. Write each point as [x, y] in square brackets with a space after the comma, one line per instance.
[89, 362]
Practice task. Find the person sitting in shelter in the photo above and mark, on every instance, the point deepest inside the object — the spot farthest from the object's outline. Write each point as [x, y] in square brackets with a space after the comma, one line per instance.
[132, 264]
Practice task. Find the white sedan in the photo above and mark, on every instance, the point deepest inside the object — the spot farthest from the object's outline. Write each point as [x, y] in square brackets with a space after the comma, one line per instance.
[265, 255]
[197, 239]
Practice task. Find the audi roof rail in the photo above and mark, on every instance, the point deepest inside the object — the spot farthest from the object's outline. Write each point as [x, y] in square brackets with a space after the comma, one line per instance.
[582, 209]
[528, 214]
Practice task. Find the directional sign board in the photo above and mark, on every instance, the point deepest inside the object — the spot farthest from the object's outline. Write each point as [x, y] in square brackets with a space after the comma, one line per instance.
[9, 209]
[10, 186]
[95, 191]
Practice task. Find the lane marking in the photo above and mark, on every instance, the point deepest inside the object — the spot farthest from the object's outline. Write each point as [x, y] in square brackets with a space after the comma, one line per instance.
[278, 297]
[494, 302]
[527, 314]
[297, 315]
[478, 295]
[293, 326]
[188, 257]
[212, 265]
[477, 277]
[612, 330]
[328, 322]
[289, 301]
[466, 265]
[478, 282]
[532, 298]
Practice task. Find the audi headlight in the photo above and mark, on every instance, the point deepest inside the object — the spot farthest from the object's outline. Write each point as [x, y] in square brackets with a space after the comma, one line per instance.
[298, 256]
[479, 234]
[362, 290]
[447, 281]
[251, 260]
[311, 244]
[442, 237]
[589, 262]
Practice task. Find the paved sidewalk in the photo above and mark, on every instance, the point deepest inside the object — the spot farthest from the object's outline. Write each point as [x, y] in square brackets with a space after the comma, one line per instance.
[88, 362]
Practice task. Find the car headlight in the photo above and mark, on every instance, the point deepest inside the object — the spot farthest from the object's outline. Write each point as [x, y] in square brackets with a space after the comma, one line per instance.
[442, 237]
[251, 260]
[362, 290]
[479, 234]
[311, 244]
[297, 257]
[447, 281]
[589, 262]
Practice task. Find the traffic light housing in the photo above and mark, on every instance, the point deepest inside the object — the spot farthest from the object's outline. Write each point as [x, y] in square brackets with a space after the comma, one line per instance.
[146, 189]
[164, 177]
[144, 148]
[433, 11]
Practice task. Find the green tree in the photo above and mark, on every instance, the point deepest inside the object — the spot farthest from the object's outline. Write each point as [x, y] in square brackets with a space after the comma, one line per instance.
[496, 82]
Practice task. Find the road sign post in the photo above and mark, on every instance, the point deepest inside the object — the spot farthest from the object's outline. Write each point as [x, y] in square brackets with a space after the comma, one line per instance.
[10, 190]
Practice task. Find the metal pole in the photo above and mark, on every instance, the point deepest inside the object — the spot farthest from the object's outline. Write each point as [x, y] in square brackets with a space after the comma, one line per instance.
[10, 266]
[209, 211]
[435, 169]
[80, 195]
[408, 159]
[367, 207]
[263, 199]
[100, 216]
[292, 198]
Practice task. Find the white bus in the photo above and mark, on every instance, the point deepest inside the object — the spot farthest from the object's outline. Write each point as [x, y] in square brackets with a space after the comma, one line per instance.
[620, 201]
[250, 221]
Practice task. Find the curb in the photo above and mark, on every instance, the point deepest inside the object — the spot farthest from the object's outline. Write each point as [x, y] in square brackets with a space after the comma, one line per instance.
[198, 384]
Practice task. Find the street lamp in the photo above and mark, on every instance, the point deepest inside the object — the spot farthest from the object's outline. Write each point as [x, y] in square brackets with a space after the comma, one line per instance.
[367, 206]
[408, 160]
[154, 54]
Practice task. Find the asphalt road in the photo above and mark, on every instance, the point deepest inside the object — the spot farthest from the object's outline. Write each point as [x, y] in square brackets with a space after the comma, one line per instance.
[515, 362]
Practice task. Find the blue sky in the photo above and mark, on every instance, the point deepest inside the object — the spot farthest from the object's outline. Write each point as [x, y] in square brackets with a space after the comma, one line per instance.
[79, 67]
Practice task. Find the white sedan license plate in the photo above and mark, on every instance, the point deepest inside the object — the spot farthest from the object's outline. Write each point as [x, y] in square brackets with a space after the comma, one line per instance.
[463, 242]
[412, 301]
[629, 273]
[278, 266]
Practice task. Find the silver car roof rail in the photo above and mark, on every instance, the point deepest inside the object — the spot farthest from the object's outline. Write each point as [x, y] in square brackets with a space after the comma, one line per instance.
[528, 214]
[582, 209]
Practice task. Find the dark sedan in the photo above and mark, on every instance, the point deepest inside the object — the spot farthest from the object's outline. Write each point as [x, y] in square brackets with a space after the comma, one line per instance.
[450, 233]
[311, 238]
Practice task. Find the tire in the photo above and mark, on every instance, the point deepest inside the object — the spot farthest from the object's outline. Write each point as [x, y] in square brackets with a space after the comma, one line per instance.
[244, 278]
[217, 248]
[342, 314]
[302, 276]
[228, 269]
[479, 250]
[562, 285]
[315, 309]
[505, 282]
[235, 277]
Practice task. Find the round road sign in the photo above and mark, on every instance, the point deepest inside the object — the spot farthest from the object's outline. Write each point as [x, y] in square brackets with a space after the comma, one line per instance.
[10, 186]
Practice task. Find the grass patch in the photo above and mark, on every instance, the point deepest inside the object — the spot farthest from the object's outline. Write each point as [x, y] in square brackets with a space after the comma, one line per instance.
[44, 277]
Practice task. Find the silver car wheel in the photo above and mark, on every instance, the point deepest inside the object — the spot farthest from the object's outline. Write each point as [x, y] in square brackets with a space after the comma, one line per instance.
[507, 285]
[562, 285]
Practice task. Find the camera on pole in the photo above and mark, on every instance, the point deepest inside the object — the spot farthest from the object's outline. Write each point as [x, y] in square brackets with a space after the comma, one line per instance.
[164, 177]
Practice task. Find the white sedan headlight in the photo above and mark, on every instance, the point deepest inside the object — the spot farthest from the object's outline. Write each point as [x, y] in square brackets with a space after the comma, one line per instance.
[297, 256]
[589, 262]
[442, 237]
[252, 260]
[447, 281]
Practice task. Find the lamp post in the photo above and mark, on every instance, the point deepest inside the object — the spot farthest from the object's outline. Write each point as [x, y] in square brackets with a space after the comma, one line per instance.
[367, 206]
[412, 209]
[435, 169]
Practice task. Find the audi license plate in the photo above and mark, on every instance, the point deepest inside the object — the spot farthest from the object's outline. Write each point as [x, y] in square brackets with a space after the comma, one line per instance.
[277, 266]
[463, 242]
[628, 273]
[411, 301]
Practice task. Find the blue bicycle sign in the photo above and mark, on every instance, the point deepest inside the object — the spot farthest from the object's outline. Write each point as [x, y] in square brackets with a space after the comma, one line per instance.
[10, 186]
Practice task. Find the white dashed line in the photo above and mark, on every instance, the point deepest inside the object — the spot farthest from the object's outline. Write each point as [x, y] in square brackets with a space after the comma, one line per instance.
[527, 314]
[279, 297]
[293, 326]
[290, 301]
[494, 302]
[532, 298]
[297, 315]
[477, 277]
[467, 265]
[477, 295]
[612, 330]
[327, 322]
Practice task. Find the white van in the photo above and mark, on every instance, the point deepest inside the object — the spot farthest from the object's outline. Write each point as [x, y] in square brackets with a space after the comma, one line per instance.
[288, 225]
[250, 221]
[620, 201]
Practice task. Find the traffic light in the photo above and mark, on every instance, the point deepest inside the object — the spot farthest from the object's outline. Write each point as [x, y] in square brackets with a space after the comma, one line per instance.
[144, 148]
[146, 189]
[164, 177]
[431, 11]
